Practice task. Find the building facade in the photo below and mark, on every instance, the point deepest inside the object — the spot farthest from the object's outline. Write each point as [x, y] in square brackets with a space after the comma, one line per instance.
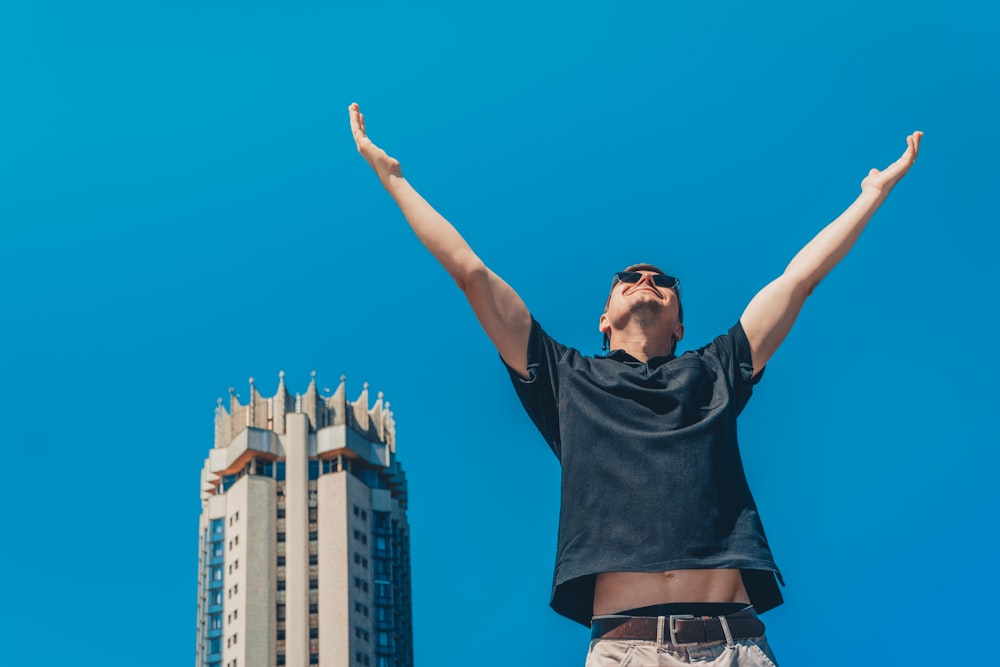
[304, 545]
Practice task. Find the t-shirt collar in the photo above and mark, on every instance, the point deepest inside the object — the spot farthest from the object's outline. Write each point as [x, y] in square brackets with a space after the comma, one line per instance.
[625, 357]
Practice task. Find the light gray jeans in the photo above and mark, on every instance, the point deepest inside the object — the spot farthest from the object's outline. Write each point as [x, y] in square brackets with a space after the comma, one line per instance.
[747, 652]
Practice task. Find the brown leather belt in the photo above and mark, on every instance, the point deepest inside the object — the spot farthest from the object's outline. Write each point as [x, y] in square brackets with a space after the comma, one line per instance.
[677, 630]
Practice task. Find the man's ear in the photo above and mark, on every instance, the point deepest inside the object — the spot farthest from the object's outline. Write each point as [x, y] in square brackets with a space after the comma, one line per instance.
[603, 325]
[679, 332]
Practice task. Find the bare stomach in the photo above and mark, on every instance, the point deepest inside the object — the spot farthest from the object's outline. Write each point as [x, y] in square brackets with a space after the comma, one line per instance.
[619, 591]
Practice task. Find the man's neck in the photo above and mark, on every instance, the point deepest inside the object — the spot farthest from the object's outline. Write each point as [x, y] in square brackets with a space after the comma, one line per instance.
[642, 347]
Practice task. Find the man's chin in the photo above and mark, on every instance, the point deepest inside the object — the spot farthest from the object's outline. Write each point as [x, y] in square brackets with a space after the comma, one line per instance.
[649, 305]
[646, 311]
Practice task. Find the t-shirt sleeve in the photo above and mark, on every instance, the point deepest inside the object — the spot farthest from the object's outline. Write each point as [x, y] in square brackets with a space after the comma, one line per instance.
[731, 352]
[539, 394]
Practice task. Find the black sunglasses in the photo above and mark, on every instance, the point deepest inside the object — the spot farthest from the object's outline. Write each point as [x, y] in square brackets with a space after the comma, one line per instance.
[660, 280]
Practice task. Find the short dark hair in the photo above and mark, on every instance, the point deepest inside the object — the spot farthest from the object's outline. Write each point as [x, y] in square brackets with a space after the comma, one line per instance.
[655, 269]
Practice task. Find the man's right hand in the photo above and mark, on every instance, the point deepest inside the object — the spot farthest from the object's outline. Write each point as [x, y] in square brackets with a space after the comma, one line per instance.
[384, 165]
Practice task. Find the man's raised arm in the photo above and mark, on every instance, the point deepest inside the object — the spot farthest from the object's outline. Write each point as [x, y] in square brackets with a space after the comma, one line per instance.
[770, 315]
[500, 311]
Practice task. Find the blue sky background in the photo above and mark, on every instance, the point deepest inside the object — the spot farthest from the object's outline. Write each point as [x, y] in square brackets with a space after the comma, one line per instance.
[182, 207]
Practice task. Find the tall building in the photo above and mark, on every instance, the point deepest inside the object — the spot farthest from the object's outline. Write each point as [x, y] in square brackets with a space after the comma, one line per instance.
[304, 552]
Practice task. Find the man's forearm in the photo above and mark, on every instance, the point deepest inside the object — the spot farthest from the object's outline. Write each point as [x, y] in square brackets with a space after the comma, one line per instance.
[437, 234]
[499, 309]
[811, 264]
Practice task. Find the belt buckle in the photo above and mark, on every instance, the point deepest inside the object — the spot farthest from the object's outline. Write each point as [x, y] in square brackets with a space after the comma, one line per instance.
[673, 633]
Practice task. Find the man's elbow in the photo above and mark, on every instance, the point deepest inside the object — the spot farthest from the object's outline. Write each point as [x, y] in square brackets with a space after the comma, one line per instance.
[799, 286]
[470, 275]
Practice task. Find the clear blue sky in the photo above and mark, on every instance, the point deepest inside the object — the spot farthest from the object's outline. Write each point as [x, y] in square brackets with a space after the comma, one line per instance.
[182, 207]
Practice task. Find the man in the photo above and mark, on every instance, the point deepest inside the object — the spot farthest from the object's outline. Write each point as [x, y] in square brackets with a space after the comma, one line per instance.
[660, 547]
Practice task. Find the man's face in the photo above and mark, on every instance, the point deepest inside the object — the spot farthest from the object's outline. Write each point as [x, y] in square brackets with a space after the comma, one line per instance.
[643, 293]
[642, 302]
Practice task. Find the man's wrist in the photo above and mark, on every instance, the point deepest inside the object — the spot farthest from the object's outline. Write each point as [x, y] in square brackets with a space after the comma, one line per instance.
[874, 194]
[392, 182]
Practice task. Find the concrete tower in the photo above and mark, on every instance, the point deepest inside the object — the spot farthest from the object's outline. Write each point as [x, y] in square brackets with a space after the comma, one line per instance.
[304, 552]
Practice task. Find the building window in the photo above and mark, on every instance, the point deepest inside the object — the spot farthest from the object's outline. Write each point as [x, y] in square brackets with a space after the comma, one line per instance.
[313, 608]
[262, 468]
[281, 561]
[313, 584]
[313, 559]
[313, 633]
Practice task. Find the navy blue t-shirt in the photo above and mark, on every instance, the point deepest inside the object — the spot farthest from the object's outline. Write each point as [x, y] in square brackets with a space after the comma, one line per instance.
[652, 478]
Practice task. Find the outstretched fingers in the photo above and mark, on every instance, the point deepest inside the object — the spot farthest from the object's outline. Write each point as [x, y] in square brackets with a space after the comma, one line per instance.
[358, 125]
[913, 145]
[909, 156]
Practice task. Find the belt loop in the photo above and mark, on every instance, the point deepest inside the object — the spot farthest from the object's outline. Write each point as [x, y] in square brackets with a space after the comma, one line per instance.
[725, 630]
[659, 629]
